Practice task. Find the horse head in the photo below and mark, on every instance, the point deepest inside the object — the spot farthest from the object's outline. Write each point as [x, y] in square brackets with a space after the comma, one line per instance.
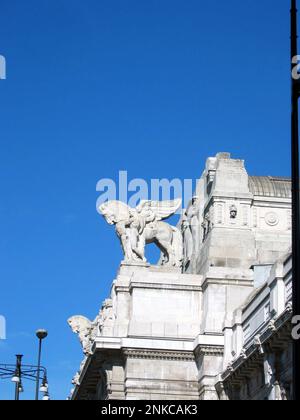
[114, 211]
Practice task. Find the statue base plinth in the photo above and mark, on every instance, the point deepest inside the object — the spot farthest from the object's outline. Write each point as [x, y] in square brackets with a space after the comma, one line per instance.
[147, 334]
[125, 263]
[127, 267]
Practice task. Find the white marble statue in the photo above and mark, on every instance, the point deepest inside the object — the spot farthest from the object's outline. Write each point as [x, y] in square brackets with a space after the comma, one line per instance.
[106, 317]
[85, 329]
[187, 239]
[144, 225]
[190, 229]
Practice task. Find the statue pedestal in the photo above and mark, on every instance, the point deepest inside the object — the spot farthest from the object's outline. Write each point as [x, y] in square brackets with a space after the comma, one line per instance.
[136, 267]
[158, 313]
[156, 301]
[150, 354]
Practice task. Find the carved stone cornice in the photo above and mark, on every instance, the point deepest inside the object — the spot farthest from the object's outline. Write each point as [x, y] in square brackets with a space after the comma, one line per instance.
[122, 289]
[164, 286]
[158, 355]
[209, 351]
[227, 282]
[274, 337]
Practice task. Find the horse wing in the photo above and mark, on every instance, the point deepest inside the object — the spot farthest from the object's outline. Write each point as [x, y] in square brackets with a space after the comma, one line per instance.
[162, 209]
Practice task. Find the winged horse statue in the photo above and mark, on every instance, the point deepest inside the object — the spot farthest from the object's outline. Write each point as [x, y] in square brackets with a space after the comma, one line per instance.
[145, 225]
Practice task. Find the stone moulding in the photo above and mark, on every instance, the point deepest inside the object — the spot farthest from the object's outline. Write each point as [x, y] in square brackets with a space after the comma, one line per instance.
[227, 282]
[209, 351]
[266, 336]
[164, 286]
[158, 355]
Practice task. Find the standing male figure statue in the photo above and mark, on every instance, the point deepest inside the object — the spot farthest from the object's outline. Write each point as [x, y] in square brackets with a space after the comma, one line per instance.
[190, 229]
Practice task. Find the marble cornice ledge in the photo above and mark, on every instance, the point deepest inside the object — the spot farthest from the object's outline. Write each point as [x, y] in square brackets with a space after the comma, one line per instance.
[107, 343]
[209, 345]
[221, 196]
[141, 343]
[228, 276]
[282, 203]
[209, 351]
[122, 288]
[153, 277]
[164, 286]
[157, 344]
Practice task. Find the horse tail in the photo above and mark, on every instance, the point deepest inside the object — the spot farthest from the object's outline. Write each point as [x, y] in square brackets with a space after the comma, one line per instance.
[177, 245]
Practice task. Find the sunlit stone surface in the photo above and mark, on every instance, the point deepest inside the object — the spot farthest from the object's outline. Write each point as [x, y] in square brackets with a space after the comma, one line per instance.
[217, 328]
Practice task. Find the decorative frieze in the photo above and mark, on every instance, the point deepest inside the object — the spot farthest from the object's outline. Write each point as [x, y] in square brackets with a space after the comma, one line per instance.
[158, 355]
[209, 351]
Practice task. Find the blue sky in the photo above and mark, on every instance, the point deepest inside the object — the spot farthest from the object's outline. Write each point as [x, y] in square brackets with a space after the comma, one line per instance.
[98, 86]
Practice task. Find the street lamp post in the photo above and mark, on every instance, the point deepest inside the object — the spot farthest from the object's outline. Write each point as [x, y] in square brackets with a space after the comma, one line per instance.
[41, 335]
[17, 378]
[17, 372]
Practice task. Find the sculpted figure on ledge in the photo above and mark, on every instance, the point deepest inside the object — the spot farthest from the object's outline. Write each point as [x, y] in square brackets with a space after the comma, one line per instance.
[144, 225]
[190, 229]
[85, 329]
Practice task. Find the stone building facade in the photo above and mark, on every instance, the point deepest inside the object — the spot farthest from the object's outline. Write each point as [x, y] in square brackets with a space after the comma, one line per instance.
[217, 328]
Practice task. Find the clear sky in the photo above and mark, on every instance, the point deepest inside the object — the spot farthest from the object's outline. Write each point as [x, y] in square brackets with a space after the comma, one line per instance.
[93, 87]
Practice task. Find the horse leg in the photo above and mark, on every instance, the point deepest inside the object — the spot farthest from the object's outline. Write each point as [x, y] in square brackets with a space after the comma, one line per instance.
[141, 247]
[168, 251]
[134, 236]
[164, 258]
[125, 241]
